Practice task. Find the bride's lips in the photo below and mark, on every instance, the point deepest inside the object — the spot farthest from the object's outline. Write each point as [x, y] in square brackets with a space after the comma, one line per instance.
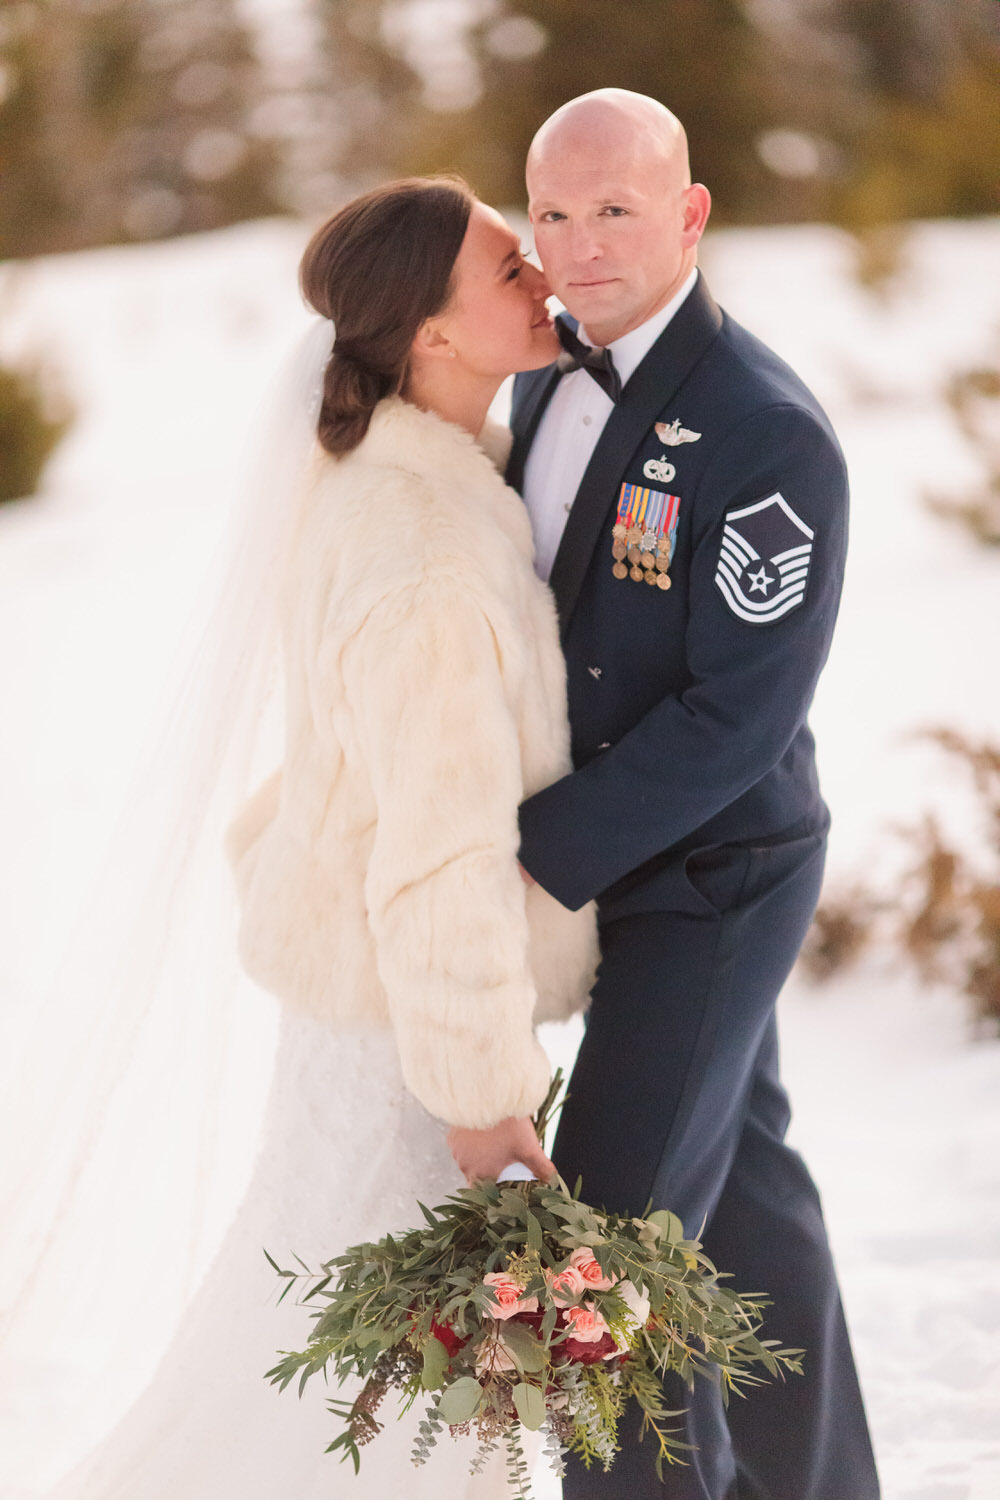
[544, 321]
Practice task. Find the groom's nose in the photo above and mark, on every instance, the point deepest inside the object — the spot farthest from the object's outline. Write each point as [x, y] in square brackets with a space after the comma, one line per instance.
[584, 244]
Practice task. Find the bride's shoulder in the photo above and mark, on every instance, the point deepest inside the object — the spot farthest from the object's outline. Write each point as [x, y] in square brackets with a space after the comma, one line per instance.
[412, 482]
[495, 440]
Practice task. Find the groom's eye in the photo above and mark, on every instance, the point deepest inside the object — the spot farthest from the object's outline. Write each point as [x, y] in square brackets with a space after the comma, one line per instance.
[551, 215]
[615, 209]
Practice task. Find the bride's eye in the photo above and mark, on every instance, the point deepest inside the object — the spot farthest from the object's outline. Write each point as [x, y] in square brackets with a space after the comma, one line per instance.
[514, 272]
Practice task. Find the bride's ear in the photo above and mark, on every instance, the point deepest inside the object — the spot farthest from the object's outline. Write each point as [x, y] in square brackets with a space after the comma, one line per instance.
[431, 341]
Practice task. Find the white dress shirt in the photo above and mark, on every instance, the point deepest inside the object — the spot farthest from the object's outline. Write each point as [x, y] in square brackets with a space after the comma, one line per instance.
[567, 434]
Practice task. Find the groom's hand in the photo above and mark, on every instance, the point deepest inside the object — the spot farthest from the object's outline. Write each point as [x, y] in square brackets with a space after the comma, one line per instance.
[485, 1153]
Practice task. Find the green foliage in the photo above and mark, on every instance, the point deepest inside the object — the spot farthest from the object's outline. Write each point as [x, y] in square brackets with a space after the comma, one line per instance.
[899, 106]
[923, 158]
[703, 57]
[31, 424]
[412, 1312]
[126, 119]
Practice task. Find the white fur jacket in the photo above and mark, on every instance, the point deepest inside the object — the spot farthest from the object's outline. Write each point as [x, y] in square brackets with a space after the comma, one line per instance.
[425, 697]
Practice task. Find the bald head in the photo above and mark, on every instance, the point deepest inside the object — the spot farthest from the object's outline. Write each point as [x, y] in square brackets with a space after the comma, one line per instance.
[617, 219]
[631, 128]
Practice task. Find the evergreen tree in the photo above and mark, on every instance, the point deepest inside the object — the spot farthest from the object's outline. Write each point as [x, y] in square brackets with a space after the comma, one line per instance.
[922, 138]
[706, 59]
[126, 119]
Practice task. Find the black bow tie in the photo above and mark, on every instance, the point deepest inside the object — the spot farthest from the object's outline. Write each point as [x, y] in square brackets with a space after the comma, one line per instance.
[597, 362]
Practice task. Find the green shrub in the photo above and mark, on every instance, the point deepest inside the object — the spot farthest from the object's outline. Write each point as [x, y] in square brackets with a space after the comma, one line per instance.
[31, 424]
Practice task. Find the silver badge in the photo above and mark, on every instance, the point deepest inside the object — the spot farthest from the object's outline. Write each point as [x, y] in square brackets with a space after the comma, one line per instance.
[658, 468]
[673, 434]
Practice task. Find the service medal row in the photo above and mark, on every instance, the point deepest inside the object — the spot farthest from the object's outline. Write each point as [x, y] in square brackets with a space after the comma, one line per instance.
[643, 535]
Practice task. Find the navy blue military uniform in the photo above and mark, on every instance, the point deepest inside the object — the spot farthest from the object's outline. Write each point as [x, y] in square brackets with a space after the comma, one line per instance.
[693, 815]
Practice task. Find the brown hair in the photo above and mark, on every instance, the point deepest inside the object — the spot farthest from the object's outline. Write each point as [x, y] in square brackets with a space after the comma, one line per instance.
[378, 268]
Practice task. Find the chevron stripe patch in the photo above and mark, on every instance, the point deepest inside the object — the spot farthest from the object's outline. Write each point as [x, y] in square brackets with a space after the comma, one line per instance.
[764, 559]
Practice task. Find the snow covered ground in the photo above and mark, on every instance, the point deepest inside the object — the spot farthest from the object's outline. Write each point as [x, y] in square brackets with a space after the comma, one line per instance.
[166, 351]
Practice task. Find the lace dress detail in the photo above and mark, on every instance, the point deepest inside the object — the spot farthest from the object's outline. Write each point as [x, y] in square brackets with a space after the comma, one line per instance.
[345, 1153]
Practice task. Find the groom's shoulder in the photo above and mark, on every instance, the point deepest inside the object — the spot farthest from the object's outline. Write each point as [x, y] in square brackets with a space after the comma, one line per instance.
[749, 375]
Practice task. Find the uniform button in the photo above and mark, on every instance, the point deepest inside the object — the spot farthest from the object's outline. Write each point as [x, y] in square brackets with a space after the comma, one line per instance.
[587, 421]
[568, 506]
[594, 671]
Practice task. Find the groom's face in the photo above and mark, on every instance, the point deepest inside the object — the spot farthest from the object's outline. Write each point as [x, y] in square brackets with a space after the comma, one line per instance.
[613, 233]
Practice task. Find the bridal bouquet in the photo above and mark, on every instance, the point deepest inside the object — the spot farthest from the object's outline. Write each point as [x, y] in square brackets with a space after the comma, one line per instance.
[517, 1305]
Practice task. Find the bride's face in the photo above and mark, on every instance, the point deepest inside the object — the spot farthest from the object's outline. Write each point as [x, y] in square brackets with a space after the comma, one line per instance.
[497, 321]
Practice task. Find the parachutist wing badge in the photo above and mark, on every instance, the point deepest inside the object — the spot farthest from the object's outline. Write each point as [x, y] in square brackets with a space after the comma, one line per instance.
[764, 560]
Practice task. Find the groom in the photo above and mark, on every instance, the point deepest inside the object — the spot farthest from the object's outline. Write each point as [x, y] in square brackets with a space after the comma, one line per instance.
[689, 504]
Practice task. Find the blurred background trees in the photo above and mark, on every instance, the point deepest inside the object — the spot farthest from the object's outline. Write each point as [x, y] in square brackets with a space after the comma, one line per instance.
[126, 119]
[137, 119]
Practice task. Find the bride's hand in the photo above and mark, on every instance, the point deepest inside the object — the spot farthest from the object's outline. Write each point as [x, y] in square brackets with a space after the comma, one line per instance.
[485, 1153]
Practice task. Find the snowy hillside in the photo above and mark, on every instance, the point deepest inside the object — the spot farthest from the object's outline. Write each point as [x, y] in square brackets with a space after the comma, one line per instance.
[167, 350]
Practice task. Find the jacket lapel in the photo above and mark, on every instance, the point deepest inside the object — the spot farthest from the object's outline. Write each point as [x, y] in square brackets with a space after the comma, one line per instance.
[538, 387]
[653, 385]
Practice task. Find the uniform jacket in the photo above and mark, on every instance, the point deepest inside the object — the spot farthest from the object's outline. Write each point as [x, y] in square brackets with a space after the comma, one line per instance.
[425, 697]
[688, 704]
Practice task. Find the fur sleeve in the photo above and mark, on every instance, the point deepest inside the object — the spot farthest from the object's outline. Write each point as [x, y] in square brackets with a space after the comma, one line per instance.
[446, 903]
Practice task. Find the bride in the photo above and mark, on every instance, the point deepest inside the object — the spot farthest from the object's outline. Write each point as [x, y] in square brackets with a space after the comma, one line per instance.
[381, 898]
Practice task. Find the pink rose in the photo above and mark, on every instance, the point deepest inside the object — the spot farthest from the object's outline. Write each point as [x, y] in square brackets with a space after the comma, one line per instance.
[565, 1286]
[586, 1324]
[508, 1295]
[584, 1261]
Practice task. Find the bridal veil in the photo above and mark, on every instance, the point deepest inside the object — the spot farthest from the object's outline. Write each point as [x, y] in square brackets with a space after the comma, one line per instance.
[125, 1102]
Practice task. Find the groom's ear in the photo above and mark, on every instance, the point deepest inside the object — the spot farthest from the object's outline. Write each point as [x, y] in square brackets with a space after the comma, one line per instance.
[697, 207]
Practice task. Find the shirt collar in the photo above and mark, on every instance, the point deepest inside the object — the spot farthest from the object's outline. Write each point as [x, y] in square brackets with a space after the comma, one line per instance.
[631, 349]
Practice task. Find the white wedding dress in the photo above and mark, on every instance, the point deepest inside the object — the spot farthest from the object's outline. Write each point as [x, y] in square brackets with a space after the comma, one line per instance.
[345, 1153]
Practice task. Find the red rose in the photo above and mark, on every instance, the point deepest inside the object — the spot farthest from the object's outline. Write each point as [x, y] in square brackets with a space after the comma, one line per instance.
[443, 1332]
[590, 1353]
[448, 1337]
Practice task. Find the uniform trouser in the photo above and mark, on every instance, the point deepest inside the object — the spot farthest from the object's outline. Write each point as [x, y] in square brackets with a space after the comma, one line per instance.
[675, 1096]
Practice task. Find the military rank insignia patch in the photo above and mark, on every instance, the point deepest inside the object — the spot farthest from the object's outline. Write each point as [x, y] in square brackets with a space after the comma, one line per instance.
[764, 560]
[642, 538]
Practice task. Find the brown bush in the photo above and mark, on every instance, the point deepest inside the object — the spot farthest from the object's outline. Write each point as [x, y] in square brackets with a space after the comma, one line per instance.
[842, 929]
[945, 916]
[974, 398]
[32, 422]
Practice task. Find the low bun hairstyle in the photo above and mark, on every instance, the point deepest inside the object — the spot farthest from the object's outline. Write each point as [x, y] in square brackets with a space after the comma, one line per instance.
[377, 269]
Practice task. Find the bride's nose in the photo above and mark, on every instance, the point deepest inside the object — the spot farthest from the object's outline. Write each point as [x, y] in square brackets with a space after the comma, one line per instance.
[536, 283]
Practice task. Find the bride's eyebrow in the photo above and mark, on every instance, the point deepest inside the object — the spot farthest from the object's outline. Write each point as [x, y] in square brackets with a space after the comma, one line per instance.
[511, 255]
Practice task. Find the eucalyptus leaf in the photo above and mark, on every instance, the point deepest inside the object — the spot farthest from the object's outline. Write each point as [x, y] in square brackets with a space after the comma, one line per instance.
[524, 1346]
[461, 1400]
[670, 1224]
[435, 1357]
[529, 1403]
